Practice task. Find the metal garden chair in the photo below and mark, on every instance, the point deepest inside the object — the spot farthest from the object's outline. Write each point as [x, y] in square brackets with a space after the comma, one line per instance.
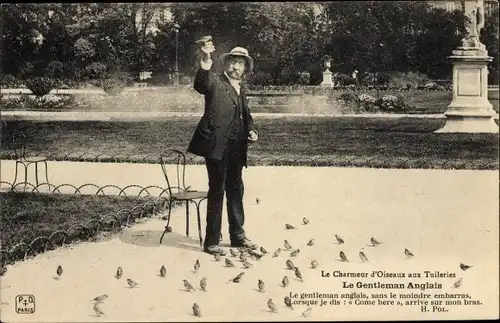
[19, 147]
[179, 191]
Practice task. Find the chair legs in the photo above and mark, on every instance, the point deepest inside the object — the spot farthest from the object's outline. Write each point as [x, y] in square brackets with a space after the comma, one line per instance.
[170, 202]
[36, 174]
[198, 215]
[46, 173]
[199, 222]
[26, 173]
[15, 176]
[199, 219]
[187, 218]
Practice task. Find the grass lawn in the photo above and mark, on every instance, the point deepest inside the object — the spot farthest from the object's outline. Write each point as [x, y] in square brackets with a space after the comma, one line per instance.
[26, 216]
[373, 142]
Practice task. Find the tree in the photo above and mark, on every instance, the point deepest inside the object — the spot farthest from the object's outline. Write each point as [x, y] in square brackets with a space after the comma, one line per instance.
[489, 37]
[223, 21]
[79, 40]
[279, 36]
[443, 31]
[20, 24]
[393, 35]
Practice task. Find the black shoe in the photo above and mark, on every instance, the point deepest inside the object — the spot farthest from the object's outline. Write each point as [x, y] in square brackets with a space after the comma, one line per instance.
[244, 243]
[214, 249]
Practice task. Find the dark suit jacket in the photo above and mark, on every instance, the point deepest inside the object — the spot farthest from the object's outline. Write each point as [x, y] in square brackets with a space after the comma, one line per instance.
[212, 132]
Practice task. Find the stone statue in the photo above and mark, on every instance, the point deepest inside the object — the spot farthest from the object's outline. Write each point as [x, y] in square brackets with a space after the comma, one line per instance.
[479, 17]
[328, 64]
[474, 12]
[327, 75]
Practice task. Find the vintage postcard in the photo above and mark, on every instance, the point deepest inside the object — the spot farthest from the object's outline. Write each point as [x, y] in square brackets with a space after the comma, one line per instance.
[249, 161]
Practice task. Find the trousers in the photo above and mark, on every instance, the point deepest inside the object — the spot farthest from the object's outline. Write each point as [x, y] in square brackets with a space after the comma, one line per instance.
[225, 176]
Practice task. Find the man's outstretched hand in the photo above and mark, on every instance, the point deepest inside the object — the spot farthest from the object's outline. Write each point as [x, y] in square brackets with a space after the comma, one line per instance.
[206, 47]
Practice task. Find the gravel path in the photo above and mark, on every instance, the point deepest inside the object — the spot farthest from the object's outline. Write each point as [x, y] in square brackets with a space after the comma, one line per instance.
[443, 217]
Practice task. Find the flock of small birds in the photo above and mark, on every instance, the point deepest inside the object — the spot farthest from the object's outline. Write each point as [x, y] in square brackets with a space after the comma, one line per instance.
[245, 256]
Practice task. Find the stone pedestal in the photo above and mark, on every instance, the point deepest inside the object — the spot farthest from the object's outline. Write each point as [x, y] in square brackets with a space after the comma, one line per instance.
[327, 79]
[470, 110]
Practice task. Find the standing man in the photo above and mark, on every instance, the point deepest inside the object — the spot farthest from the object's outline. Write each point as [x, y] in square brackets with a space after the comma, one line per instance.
[222, 137]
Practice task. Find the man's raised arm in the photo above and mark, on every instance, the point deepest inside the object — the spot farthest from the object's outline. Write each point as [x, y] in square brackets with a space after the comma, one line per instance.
[204, 78]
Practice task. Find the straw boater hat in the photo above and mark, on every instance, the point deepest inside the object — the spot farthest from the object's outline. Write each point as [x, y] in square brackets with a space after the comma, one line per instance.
[240, 52]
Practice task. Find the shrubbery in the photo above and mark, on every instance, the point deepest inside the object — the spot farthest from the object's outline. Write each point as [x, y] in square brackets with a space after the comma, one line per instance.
[46, 103]
[367, 103]
[10, 82]
[40, 86]
[115, 83]
[259, 78]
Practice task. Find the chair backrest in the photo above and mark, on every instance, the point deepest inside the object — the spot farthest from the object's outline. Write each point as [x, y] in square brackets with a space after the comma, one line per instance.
[176, 158]
[18, 144]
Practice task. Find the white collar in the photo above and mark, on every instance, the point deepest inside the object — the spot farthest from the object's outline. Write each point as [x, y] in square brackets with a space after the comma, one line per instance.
[234, 82]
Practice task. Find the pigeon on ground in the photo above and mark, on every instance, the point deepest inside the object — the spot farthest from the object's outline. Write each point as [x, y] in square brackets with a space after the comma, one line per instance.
[246, 264]
[363, 256]
[197, 265]
[203, 284]
[284, 281]
[229, 263]
[307, 312]
[298, 274]
[464, 267]
[261, 286]
[255, 254]
[196, 310]
[131, 283]
[238, 278]
[188, 285]
[374, 241]
[97, 310]
[163, 272]
[408, 253]
[272, 306]
[119, 272]
[100, 298]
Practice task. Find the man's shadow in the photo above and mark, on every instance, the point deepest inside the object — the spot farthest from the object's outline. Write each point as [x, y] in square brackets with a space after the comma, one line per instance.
[149, 238]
